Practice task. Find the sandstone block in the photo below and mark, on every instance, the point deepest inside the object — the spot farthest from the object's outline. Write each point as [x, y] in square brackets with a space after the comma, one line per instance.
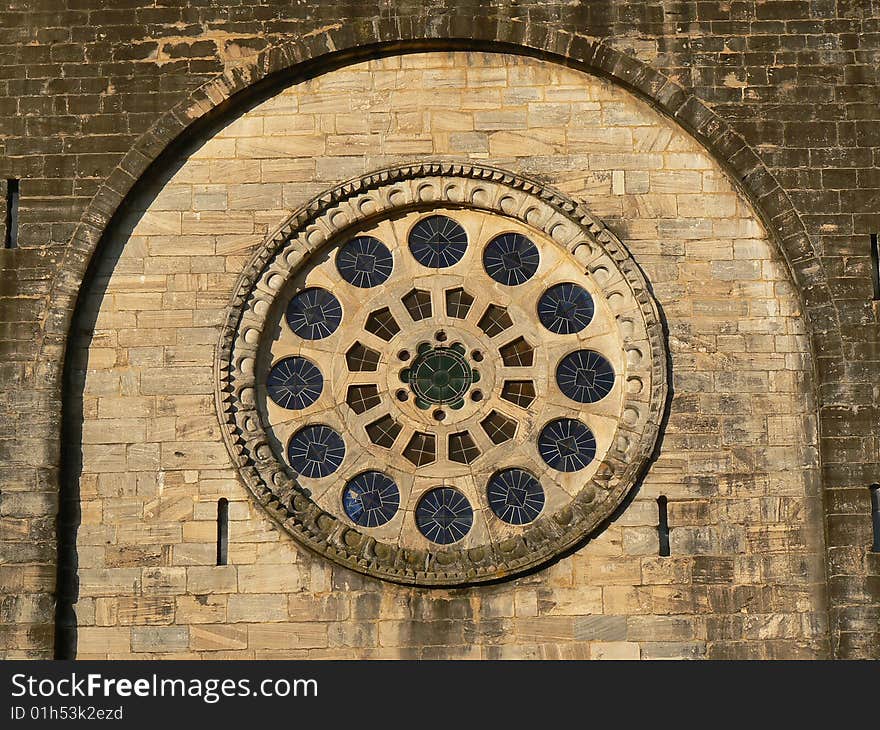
[288, 636]
[110, 640]
[600, 628]
[211, 637]
[200, 609]
[144, 610]
[269, 579]
[163, 581]
[215, 579]
[262, 608]
[614, 650]
[159, 638]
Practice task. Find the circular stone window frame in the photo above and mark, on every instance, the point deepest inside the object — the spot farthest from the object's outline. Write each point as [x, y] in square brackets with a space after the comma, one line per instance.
[325, 220]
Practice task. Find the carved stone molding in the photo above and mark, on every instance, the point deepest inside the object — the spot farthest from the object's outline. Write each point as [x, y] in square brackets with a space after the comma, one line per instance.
[324, 222]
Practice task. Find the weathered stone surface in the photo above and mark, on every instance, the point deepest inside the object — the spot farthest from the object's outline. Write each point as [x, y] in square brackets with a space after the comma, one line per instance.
[797, 114]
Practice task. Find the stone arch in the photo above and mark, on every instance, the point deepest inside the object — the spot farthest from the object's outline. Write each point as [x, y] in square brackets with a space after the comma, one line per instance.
[333, 48]
[315, 54]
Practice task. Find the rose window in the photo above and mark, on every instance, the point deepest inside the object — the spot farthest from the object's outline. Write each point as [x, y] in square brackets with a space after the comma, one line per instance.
[441, 375]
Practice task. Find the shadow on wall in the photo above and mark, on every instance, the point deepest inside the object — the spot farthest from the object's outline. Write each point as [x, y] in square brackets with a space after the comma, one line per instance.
[89, 302]
[88, 305]
[74, 379]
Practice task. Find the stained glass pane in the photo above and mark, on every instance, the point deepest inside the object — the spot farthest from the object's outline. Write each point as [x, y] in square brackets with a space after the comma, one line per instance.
[520, 392]
[361, 358]
[511, 259]
[515, 496]
[498, 427]
[585, 376]
[371, 499]
[364, 262]
[495, 320]
[437, 241]
[294, 383]
[418, 304]
[383, 432]
[461, 448]
[314, 313]
[567, 444]
[421, 449]
[458, 303]
[315, 451]
[518, 353]
[444, 515]
[440, 375]
[565, 308]
[362, 398]
[382, 324]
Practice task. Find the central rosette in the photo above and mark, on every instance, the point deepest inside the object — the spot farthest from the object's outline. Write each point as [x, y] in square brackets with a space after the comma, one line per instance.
[440, 376]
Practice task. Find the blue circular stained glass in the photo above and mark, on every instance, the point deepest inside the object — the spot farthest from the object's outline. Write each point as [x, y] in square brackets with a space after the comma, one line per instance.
[437, 241]
[515, 496]
[294, 383]
[585, 376]
[364, 262]
[314, 314]
[315, 451]
[371, 499]
[565, 308]
[567, 444]
[511, 259]
[444, 515]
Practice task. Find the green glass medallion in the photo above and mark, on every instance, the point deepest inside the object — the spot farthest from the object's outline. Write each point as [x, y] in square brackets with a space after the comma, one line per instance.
[440, 375]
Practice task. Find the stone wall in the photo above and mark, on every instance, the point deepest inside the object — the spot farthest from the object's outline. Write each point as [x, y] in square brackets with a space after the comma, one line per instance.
[785, 93]
[738, 461]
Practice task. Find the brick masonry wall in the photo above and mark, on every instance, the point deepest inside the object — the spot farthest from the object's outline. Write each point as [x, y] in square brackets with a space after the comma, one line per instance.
[796, 80]
[739, 459]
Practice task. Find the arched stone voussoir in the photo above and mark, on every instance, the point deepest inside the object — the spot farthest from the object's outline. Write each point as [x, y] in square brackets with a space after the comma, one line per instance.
[337, 45]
